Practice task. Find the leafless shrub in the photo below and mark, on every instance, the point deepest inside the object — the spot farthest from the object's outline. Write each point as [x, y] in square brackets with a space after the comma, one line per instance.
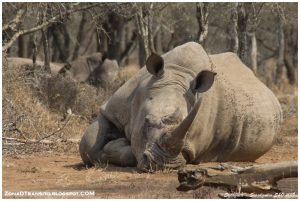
[57, 92]
[61, 93]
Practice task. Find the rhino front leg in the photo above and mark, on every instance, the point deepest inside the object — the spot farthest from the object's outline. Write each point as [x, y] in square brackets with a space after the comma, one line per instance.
[118, 152]
[99, 133]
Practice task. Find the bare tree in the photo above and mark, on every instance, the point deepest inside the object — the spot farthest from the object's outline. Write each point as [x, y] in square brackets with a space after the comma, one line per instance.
[248, 21]
[61, 41]
[80, 35]
[144, 14]
[242, 31]
[114, 27]
[202, 18]
[253, 52]
[45, 38]
[46, 50]
[234, 29]
[34, 47]
[22, 47]
[281, 44]
[254, 22]
[288, 55]
[62, 14]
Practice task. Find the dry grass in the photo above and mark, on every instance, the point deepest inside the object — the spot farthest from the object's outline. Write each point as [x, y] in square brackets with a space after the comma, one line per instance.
[35, 105]
[127, 72]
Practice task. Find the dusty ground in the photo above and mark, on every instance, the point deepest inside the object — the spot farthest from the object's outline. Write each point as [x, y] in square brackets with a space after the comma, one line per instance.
[64, 172]
[58, 167]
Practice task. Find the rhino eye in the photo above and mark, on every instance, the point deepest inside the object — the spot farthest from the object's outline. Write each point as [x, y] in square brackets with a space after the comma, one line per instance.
[150, 121]
[169, 120]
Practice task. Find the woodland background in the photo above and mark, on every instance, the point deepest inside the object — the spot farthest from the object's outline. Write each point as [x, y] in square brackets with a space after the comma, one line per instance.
[129, 32]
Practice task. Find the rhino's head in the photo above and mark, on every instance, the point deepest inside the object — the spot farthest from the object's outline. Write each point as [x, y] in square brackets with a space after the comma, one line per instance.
[168, 103]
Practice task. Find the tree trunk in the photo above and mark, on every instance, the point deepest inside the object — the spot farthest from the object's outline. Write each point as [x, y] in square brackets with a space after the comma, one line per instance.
[22, 47]
[60, 42]
[114, 27]
[55, 53]
[80, 37]
[234, 29]
[242, 32]
[101, 41]
[128, 46]
[90, 41]
[46, 50]
[202, 18]
[150, 29]
[281, 44]
[158, 41]
[29, 46]
[34, 48]
[142, 53]
[144, 19]
[253, 58]
[67, 41]
[288, 54]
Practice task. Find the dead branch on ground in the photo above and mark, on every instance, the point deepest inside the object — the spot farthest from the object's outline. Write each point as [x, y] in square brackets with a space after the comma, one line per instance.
[16, 141]
[258, 179]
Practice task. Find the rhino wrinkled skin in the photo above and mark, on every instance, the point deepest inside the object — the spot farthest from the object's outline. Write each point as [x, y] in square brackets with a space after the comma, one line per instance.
[185, 107]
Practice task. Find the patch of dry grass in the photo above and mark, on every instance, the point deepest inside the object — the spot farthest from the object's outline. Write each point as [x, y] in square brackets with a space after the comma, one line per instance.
[35, 103]
[127, 72]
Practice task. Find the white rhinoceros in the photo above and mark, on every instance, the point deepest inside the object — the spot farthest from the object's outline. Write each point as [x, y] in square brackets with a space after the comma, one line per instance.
[185, 107]
[95, 69]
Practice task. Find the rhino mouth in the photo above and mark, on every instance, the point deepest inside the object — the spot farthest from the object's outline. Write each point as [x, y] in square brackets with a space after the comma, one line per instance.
[157, 159]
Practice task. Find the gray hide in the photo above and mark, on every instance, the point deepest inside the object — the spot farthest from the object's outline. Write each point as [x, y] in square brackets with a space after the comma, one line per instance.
[94, 68]
[185, 107]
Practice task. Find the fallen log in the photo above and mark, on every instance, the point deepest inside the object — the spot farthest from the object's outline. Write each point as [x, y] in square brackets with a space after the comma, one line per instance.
[255, 179]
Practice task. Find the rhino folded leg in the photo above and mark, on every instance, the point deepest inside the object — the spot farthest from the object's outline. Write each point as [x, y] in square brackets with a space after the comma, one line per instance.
[118, 152]
[96, 136]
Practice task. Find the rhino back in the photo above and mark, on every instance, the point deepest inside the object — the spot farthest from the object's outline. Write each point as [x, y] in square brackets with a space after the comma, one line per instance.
[80, 69]
[238, 118]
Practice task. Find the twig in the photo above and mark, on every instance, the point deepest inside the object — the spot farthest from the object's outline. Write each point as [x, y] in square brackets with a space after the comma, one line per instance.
[27, 141]
[58, 130]
[43, 25]
[15, 22]
[13, 143]
[32, 141]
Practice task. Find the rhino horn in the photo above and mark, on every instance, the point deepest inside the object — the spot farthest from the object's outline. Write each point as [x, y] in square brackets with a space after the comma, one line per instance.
[173, 142]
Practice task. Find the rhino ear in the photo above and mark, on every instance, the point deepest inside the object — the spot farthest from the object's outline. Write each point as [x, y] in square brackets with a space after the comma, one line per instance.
[204, 81]
[93, 62]
[155, 64]
[104, 56]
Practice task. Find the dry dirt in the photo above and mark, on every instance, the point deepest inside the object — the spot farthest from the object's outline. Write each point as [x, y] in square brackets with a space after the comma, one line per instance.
[64, 172]
[48, 169]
